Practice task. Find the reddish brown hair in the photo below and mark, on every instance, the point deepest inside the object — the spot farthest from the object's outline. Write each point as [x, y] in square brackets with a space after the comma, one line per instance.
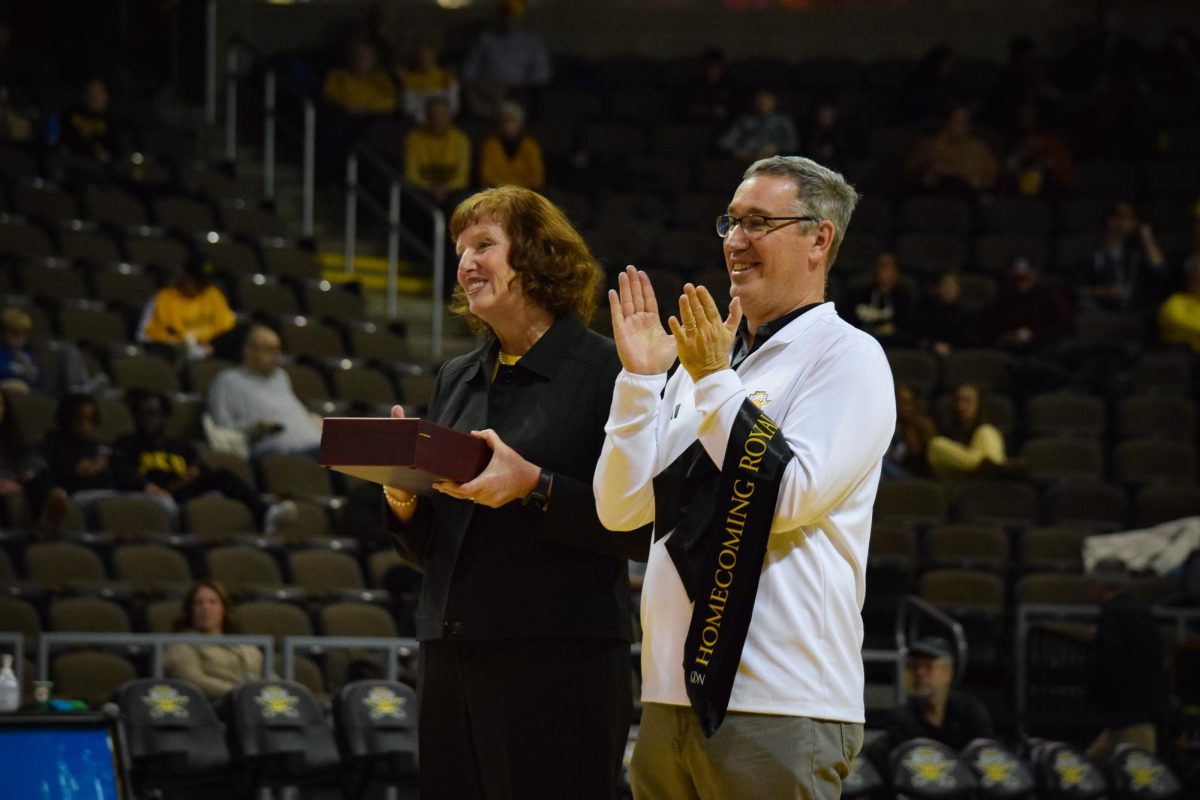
[553, 264]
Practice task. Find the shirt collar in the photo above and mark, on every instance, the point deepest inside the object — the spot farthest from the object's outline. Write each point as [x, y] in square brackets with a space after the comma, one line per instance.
[546, 354]
[763, 332]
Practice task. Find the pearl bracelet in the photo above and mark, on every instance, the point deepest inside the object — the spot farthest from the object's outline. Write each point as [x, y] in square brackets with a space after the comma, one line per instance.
[394, 503]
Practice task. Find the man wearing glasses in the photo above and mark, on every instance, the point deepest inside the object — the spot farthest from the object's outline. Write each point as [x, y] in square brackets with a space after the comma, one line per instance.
[758, 463]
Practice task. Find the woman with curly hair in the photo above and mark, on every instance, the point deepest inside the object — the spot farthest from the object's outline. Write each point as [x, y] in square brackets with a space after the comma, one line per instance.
[524, 613]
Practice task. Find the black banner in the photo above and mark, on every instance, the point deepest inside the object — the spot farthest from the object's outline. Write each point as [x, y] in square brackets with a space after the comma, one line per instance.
[720, 560]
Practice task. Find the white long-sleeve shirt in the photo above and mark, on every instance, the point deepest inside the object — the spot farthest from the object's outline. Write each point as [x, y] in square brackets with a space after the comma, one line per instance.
[829, 387]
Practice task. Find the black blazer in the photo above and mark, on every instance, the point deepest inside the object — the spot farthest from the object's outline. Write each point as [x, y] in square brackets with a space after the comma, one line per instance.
[515, 572]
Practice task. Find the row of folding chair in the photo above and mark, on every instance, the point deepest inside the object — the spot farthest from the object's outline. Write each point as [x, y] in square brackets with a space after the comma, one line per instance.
[991, 370]
[1036, 223]
[277, 736]
[41, 199]
[923, 502]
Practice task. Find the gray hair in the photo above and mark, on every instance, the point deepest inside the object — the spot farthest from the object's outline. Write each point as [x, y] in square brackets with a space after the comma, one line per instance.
[820, 192]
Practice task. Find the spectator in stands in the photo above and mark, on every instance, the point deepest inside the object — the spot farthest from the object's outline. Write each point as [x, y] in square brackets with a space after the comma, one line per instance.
[215, 669]
[1179, 316]
[1128, 684]
[943, 324]
[362, 89]
[1040, 162]
[505, 59]
[954, 158]
[764, 132]
[1126, 269]
[19, 462]
[523, 590]
[971, 445]
[883, 309]
[1027, 314]
[825, 140]
[17, 362]
[257, 399]
[934, 709]
[511, 156]
[78, 463]
[709, 96]
[150, 461]
[89, 129]
[189, 314]
[437, 155]
[907, 457]
[52, 368]
[359, 97]
[426, 79]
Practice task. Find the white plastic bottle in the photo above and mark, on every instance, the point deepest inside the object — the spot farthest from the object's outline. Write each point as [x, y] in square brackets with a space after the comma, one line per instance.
[10, 692]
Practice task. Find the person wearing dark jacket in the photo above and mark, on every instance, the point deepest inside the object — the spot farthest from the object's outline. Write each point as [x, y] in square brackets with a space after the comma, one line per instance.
[934, 710]
[524, 612]
[1128, 684]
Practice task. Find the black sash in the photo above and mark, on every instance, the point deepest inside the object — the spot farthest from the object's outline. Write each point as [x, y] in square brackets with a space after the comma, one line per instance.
[719, 557]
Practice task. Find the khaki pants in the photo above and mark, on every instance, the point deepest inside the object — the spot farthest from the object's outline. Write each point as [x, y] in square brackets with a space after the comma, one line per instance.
[1141, 735]
[753, 756]
[949, 459]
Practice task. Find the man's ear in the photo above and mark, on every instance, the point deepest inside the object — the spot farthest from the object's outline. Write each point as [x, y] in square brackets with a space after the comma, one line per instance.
[822, 240]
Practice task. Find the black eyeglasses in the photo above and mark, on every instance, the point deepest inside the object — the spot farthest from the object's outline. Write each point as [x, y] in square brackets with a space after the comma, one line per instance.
[754, 225]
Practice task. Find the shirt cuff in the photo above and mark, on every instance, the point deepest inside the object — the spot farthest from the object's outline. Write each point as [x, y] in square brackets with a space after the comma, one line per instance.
[716, 389]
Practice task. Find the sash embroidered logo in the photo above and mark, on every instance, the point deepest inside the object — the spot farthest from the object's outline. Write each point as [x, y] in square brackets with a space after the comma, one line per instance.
[930, 767]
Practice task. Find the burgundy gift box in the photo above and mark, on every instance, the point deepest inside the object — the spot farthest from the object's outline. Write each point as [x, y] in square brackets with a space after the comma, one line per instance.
[410, 454]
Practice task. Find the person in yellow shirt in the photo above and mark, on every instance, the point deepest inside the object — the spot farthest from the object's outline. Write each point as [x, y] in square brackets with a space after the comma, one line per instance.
[191, 312]
[1179, 316]
[363, 87]
[511, 156]
[437, 155]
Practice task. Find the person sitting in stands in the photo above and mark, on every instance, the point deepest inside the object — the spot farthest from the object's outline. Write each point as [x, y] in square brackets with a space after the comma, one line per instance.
[765, 132]
[1179, 316]
[908, 456]
[883, 309]
[944, 323]
[1127, 267]
[437, 155]
[362, 87]
[428, 79]
[970, 443]
[214, 668]
[511, 156]
[148, 460]
[1027, 315]
[19, 463]
[506, 58]
[18, 365]
[954, 158]
[88, 129]
[257, 399]
[934, 710]
[191, 312]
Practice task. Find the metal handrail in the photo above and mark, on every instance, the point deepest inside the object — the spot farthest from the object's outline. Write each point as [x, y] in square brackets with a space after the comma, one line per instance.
[15, 641]
[393, 648]
[398, 190]
[895, 657]
[1182, 617]
[155, 641]
[306, 132]
[913, 603]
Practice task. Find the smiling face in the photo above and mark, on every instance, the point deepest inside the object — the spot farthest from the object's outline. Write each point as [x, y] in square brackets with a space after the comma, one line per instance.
[773, 273]
[489, 281]
[208, 612]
